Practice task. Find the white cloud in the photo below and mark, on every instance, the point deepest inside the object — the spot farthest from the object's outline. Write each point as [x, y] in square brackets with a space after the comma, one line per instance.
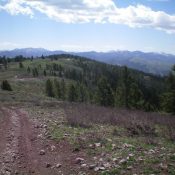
[97, 11]
[15, 7]
[8, 45]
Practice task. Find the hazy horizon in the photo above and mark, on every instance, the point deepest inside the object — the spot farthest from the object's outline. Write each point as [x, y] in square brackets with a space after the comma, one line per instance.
[98, 51]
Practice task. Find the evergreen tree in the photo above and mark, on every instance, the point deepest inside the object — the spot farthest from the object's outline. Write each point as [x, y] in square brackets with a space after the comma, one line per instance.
[28, 70]
[82, 93]
[126, 86]
[104, 93]
[21, 65]
[45, 73]
[72, 93]
[6, 86]
[63, 89]
[5, 63]
[49, 88]
[42, 57]
[35, 72]
[168, 98]
[57, 88]
[119, 94]
[136, 99]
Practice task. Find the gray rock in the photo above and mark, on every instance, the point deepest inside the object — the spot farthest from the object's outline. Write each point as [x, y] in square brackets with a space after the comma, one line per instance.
[58, 165]
[48, 165]
[92, 166]
[79, 160]
[42, 152]
[84, 165]
[123, 161]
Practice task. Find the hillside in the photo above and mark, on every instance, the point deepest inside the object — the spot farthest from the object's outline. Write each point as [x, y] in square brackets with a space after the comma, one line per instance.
[155, 63]
[50, 134]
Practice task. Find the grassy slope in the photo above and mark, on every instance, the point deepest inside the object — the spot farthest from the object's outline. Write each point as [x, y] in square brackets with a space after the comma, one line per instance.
[84, 125]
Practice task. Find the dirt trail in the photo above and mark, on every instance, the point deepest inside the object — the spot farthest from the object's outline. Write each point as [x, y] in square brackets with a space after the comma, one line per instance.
[19, 145]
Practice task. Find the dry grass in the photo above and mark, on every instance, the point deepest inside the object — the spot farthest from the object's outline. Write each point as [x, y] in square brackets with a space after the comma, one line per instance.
[85, 113]
[136, 122]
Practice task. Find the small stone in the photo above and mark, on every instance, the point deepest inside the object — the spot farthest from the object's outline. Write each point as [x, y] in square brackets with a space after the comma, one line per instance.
[123, 161]
[115, 160]
[79, 160]
[151, 151]
[113, 145]
[16, 172]
[97, 144]
[42, 152]
[40, 136]
[53, 148]
[58, 165]
[103, 154]
[125, 145]
[101, 160]
[44, 126]
[129, 167]
[96, 169]
[107, 165]
[163, 167]
[92, 166]
[84, 165]
[37, 126]
[7, 173]
[48, 165]
[140, 159]
[131, 155]
[109, 140]
[95, 158]
[102, 168]
[91, 146]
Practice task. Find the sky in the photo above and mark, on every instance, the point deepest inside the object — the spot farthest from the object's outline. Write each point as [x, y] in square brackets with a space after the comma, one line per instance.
[86, 25]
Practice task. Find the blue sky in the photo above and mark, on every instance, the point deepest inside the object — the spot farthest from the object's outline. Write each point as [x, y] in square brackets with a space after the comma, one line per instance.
[83, 25]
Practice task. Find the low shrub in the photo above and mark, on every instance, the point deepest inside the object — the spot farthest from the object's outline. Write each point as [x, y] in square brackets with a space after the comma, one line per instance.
[6, 86]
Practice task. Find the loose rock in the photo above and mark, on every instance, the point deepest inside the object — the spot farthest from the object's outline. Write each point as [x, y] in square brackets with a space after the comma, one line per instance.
[79, 160]
[42, 152]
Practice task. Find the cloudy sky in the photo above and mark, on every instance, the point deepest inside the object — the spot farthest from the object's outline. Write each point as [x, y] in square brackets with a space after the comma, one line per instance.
[83, 25]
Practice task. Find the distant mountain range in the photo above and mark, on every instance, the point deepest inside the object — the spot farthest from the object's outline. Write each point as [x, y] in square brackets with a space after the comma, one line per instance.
[155, 63]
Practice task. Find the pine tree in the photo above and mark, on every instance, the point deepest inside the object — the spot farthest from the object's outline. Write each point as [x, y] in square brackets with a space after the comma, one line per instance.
[168, 98]
[49, 88]
[126, 86]
[82, 93]
[136, 99]
[28, 70]
[21, 65]
[57, 88]
[42, 57]
[104, 93]
[45, 73]
[35, 72]
[119, 94]
[72, 93]
[6, 86]
[63, 89]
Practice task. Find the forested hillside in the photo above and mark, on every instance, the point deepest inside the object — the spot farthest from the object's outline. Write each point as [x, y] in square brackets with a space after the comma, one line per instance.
[155, 63]
[78, 79]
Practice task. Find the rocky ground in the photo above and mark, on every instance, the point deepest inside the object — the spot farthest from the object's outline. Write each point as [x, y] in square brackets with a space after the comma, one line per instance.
[38, 140]
[25, 150]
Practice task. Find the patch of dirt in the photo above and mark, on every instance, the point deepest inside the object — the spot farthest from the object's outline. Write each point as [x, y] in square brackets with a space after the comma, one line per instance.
[21, 145]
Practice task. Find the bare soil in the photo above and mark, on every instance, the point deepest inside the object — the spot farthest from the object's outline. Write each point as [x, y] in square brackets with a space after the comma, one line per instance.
[21, 143]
